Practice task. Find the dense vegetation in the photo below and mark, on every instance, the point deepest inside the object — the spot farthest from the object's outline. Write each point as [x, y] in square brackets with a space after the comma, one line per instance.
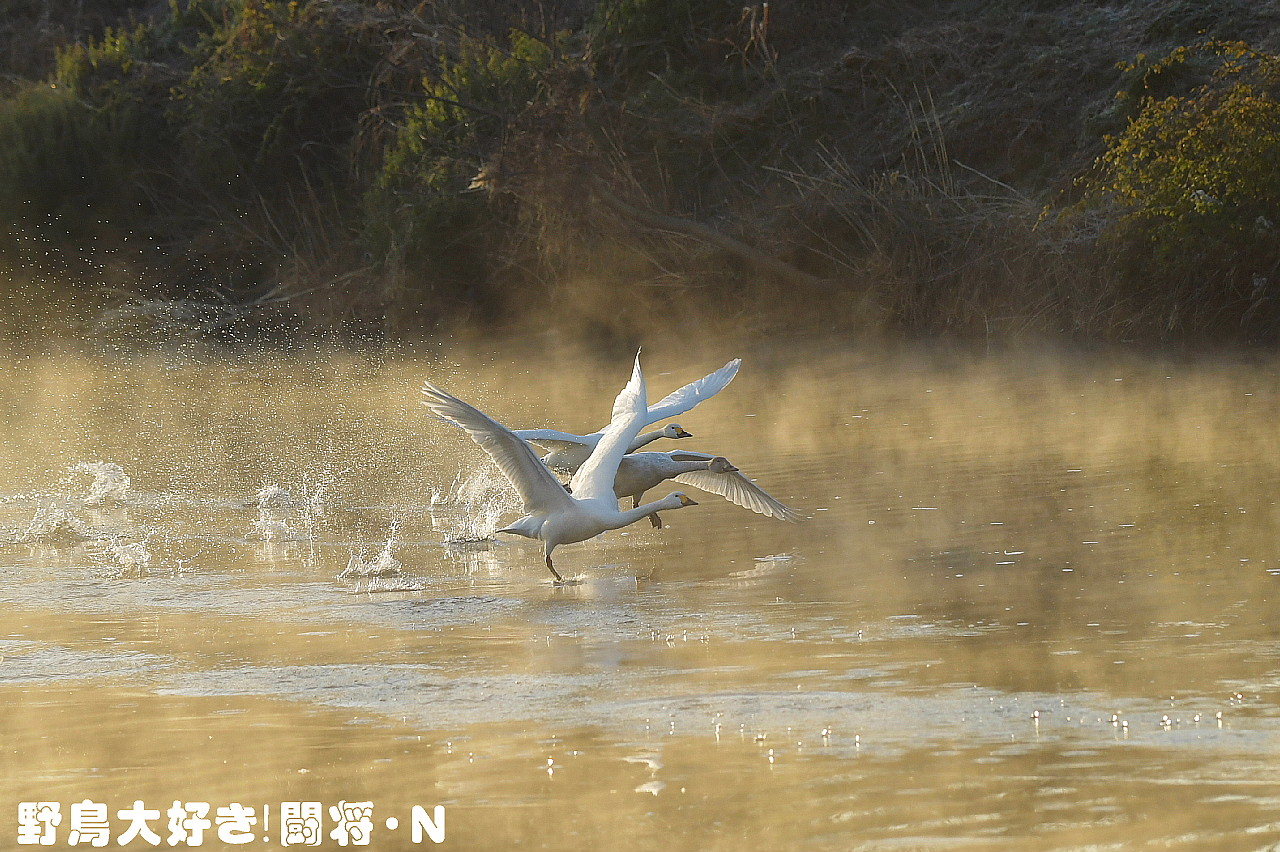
[978, 168]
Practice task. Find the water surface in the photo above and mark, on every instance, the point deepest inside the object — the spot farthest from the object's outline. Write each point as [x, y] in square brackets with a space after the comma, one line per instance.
[1027, 589]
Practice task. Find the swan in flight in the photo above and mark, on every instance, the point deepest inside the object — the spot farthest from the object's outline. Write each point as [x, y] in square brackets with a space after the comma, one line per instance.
[569, 451]
[638, 472]
[553, 514]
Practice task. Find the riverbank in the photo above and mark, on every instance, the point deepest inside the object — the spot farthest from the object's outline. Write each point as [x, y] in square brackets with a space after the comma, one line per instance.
[1090, 173]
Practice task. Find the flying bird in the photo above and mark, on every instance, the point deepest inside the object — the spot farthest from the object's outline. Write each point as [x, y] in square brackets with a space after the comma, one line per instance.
[569, 451]
[638, 472]
[553, 514]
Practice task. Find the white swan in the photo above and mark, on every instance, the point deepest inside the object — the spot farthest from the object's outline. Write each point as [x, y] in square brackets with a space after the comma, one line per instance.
[553, 515]
[638, 472]
[569, 451]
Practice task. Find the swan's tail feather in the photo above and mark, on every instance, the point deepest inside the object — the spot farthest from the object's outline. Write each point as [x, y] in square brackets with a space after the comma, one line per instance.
[528, 526]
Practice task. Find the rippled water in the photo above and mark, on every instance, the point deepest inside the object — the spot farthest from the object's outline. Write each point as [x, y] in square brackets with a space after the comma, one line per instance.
[1027, 589]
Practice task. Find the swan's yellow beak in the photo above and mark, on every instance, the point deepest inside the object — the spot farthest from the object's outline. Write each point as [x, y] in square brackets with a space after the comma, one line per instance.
[685, 501]
[680, 433]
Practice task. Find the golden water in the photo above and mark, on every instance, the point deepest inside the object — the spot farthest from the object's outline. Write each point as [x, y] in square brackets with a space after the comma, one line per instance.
[989, 540]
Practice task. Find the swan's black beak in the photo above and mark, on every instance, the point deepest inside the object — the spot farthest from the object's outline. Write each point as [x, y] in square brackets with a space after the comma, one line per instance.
[685, 501]
[680, 433]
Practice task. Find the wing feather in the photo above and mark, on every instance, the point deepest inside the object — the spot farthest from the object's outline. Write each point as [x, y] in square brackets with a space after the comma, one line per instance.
[681, 400]
[740, 491]
[537, 486]
[689, 455]
[555, 439]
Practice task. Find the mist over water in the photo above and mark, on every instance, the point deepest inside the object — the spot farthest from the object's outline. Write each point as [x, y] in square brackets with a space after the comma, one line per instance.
[1025, 592]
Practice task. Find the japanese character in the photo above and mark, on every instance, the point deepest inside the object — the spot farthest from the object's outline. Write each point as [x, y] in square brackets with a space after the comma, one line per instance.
[138, 817]
[89, 824]
[234, 822]
[38, 822]
[300, 824]
[188, 823]
[354, 823]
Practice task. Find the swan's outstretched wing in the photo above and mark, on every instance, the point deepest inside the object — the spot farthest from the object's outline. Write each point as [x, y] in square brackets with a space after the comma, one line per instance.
[555, 440]
[594, 480]
[680, 401]
[537, 486]
[676, 402]
[740, 491]
[689, 455]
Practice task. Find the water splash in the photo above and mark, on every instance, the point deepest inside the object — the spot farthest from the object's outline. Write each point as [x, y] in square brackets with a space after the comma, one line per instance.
[280, 515]
[274, 497]
[271, 528]
[396, 584]
[110, 482]
[54, 525]
[473, 508]
[131, 556]
[122, 556]
[317, 497]
[383, 565]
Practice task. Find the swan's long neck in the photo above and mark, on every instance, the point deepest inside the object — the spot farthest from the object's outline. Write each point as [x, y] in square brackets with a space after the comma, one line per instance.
[630, 516]
[642, 440]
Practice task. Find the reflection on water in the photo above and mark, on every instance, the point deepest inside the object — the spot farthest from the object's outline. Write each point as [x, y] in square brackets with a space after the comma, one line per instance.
[1031, 608]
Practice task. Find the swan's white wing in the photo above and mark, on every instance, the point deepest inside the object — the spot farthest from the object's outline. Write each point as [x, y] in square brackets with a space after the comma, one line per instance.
[740, 491]
[689, 455]
[554, 439]
[538, 488]
[594, 480]
[680, 401]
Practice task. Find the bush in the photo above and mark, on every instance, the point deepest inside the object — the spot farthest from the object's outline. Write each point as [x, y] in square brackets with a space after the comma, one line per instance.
[422, 211]
[277, 92]
[464, 113]
[126, 90]
[49, 158]
[1195, 177]
[630, 42]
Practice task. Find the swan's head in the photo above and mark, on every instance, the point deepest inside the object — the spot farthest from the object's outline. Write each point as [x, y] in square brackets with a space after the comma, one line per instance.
[720, 464]
[680, 501]
[674, 430]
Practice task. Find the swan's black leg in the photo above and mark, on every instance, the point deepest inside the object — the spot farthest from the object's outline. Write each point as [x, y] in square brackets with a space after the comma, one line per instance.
[554, 572]
[653, 519]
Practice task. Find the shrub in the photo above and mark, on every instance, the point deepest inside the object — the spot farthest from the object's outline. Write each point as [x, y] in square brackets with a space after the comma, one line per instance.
[49, 159]
[464, 112]
[126, 90]
[277, 91]
[633, 41]
[1195, 177]
[123, 83]
[420, 212]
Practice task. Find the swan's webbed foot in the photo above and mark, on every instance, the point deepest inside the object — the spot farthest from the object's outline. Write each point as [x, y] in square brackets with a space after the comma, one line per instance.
[656, 521]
